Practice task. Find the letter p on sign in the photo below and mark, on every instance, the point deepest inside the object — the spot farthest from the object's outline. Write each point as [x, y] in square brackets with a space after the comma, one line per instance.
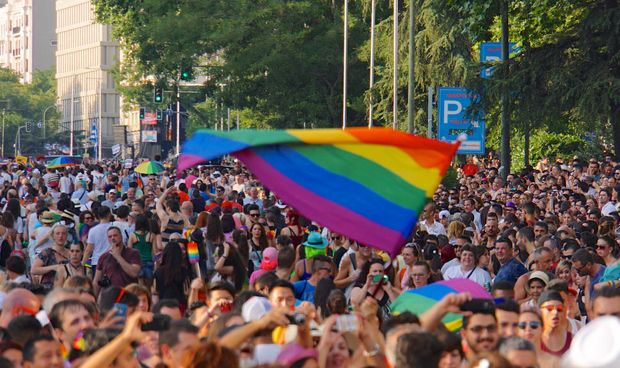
[451, 107]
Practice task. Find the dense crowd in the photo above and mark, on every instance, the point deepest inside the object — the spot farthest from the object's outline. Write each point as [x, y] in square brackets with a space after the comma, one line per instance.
[104, 267]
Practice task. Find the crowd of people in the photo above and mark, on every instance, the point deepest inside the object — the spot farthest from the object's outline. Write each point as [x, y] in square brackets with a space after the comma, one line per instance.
[103, 267]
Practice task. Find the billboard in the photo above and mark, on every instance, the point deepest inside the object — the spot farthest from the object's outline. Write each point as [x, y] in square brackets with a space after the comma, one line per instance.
[150, 118]
[454, 120]
[149, 136]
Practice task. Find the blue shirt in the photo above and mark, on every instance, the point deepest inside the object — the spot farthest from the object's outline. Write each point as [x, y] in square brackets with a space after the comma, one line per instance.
[510, 271]
[304, 291]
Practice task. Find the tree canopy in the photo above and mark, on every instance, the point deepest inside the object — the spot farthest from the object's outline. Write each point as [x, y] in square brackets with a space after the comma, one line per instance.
[278, 63]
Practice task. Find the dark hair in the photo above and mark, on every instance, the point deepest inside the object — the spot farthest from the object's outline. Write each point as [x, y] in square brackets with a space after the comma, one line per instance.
[361, 280]
[122, 211]
[281, 283]
[23, 327]
[502, 285]
[266, 279]
[172, 262]
[336, 302]
[286, 257]
[582, 256]
[228, 223]
[214, 234]
[418, 350]
[400, 319]
[111, 295]
[241, 239]
[262, 240]
[321, 294]
[142, 223]
[503, 239]
[449, 341]
[170, 337]
[30, 347]
[59, 308]
[104, 212]
[489, 312]
[508, 305]
[283, 240]
[165, 303]
[16, 264]
[220, 285]
[527, 232]
[320, 259]
[607, 292]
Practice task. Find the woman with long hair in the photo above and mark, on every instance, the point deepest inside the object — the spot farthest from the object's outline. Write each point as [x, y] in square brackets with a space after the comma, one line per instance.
[607, 248]
[173, 277]
[257, 242]
[87, 222]
[229, 266]
[170, 217]
[214, 237]
[148, 244]
[372, 282]
[15, 209]
[240, 241]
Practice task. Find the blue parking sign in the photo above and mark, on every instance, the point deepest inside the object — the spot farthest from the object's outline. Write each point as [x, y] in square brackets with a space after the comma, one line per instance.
[454, 120]
[492, 52]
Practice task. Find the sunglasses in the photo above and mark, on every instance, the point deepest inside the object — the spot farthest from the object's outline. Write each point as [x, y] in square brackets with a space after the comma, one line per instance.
[601, 246]
[254, 215]
[86, 218]
[531, 324]
[552, 307]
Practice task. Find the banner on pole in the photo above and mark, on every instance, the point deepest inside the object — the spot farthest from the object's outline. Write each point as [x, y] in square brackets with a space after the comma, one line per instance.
[492, 52]
[454, 121]
[150, 118]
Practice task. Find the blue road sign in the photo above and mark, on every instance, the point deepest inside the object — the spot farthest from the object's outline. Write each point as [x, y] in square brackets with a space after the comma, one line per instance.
[93, 130]
[492, 52]
[454, 120]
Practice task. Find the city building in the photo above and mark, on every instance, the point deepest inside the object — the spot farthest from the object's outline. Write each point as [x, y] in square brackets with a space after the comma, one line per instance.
[27, 36]
[85, 56]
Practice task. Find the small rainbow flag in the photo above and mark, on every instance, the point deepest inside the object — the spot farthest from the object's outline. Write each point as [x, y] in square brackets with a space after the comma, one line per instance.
[192, 252]
[418, 301]
[367, 184]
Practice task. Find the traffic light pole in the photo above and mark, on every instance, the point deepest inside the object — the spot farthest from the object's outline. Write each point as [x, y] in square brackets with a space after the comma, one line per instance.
[178, 120]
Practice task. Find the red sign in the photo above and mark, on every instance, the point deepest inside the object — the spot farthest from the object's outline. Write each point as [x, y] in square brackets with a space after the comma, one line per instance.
[150, 118]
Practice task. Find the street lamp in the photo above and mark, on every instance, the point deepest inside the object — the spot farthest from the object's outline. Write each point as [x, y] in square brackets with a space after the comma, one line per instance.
[44, 113]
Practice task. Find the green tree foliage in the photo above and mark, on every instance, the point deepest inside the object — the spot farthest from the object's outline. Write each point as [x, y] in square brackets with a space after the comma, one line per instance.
[280, 59]
[20, 103]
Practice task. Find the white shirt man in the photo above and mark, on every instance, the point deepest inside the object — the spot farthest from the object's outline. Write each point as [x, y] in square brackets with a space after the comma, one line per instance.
[98, 237]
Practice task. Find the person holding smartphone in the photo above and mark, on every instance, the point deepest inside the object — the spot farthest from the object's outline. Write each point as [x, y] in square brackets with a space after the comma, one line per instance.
[373, 282]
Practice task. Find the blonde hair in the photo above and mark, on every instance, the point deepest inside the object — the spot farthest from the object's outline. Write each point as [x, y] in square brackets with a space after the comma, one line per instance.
[455, 229]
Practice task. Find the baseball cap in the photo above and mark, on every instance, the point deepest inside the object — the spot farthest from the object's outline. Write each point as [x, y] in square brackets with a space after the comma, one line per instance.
[112, 191]
[550, 295]
[444, 213]
[255, 308]
[270, 259]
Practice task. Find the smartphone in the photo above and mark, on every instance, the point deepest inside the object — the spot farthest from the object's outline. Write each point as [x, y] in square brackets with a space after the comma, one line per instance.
[347, 323]
[478, 306]
[377, 278]
[160, 322]
[121, 310]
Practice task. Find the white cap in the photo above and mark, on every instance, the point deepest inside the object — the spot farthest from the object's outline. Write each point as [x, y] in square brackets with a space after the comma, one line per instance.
[444, 213]
[595, 345]
[255, 308]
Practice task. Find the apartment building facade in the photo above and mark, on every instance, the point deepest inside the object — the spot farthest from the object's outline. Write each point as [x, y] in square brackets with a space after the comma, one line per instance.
[85, 56]
[27, 36]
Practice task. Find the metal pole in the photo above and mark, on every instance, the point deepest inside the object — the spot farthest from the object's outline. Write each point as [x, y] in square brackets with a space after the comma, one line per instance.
[100, 124]
[178, 120]
[44, 114]
[344, 64]
[505, 151]
[228, 119]
[411, 84]
[3, 116]
[237, 121]
[395, 81]
[71, 118]
[373, 9]
[429, 131]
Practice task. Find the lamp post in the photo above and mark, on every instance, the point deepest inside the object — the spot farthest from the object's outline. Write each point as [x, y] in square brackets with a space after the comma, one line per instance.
[395, 77]
[44, 113]
[344, 64]
[373, 7]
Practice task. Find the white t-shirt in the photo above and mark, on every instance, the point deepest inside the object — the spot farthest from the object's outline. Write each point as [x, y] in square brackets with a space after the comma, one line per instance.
[435, 229]
[608, 208]
[124, 226]
[448, 265]
[478, 275]
[65, 184]
[98, 237]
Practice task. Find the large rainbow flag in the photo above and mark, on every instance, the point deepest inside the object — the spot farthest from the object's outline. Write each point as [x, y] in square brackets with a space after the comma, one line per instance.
[367, 184]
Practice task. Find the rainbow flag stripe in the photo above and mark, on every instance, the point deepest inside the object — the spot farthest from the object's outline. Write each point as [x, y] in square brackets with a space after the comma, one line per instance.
[418, 301]
[368, 184]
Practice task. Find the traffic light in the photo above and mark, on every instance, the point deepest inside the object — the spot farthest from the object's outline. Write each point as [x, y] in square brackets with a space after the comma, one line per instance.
[142, 113]
[186, 73]
[29, 126]
[159, 115]
[159, 95]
